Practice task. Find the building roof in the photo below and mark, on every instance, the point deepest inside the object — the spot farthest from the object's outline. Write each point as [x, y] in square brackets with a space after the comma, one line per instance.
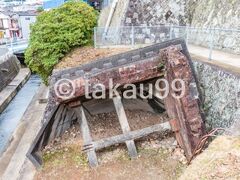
[20, 13]
[27, 13]
[4, 15]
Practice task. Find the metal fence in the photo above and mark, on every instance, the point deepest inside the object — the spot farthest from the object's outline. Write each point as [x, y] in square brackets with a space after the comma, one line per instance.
[7, 50]
[137, 36]
[18, 45]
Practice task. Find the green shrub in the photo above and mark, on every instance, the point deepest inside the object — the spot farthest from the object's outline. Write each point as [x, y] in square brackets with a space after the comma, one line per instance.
[56, 32]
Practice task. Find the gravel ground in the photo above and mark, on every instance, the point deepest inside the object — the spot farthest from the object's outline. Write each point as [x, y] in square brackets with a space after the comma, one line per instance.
[220, 161]
[107, 125]
[83, 55]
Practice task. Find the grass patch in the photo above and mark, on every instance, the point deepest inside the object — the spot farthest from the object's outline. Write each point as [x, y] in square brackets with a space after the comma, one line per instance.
[65, 156]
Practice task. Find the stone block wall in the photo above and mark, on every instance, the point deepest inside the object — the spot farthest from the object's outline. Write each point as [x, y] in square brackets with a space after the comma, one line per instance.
[197, 13]
[141, 35]
[9, 68]
[217, 14]
[221, 95]
[155, 12]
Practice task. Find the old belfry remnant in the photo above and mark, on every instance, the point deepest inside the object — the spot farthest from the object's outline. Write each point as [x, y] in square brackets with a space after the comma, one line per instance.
[140, 65]
[185, 113]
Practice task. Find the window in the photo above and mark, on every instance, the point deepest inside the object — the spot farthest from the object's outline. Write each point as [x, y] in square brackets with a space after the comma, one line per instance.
[27, 18]
[1, 24]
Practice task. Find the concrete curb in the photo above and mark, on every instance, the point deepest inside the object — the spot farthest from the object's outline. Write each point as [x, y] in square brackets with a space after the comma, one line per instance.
[235, 70]
[13, 162]
[9, 92]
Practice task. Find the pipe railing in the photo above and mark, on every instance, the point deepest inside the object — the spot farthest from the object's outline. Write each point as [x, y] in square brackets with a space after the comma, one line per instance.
[132, 36]
[17, 45]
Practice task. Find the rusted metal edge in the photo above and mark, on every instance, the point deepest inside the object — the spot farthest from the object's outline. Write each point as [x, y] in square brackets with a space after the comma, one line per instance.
[185, 112]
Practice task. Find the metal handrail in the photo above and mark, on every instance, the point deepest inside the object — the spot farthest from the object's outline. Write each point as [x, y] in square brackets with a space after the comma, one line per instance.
[13, 45]
[210, 35]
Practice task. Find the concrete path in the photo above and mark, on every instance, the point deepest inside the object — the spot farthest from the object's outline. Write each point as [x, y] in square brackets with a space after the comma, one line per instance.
[14, 164]
[8, 93]
[217, 56]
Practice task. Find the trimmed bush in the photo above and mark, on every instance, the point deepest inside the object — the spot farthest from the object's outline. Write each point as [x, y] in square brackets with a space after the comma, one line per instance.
[56, 32]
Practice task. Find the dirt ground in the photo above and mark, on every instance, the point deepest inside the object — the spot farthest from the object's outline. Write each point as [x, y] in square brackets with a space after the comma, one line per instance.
[83, 55]
[159, 157]
[221, 160]
[107, 124]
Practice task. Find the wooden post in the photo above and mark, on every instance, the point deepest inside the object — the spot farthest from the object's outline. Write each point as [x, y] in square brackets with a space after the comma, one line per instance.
[124, 125]
[105, 142]
[87, 139]
[57, 118]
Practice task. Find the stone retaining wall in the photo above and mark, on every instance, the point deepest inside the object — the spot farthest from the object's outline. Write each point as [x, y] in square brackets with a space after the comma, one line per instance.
[9, 68]
[221, 95]
[196, 13]
[155, 12]
[144, 35]
[217, 14]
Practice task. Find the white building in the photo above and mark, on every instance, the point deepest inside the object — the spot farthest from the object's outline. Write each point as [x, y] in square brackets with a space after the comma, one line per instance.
[4, 26]
[26, 19]
[16, 26]
[9, 26]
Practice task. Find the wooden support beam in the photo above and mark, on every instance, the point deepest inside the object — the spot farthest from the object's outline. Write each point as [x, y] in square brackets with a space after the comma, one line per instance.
[65, 123]
[87, 139]
[106, 142]
[124, 125]
[68, 120]
[57, 118]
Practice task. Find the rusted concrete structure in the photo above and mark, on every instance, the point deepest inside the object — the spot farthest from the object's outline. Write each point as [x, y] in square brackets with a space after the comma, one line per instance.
[185, 113]
[142, 65]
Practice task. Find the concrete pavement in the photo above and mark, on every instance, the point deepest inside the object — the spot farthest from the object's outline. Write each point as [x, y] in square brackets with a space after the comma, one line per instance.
[217, 56]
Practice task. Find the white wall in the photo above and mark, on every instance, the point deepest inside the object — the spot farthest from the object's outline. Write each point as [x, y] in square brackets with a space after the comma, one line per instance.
[25, 22]
[5, 23]
[6, 27]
